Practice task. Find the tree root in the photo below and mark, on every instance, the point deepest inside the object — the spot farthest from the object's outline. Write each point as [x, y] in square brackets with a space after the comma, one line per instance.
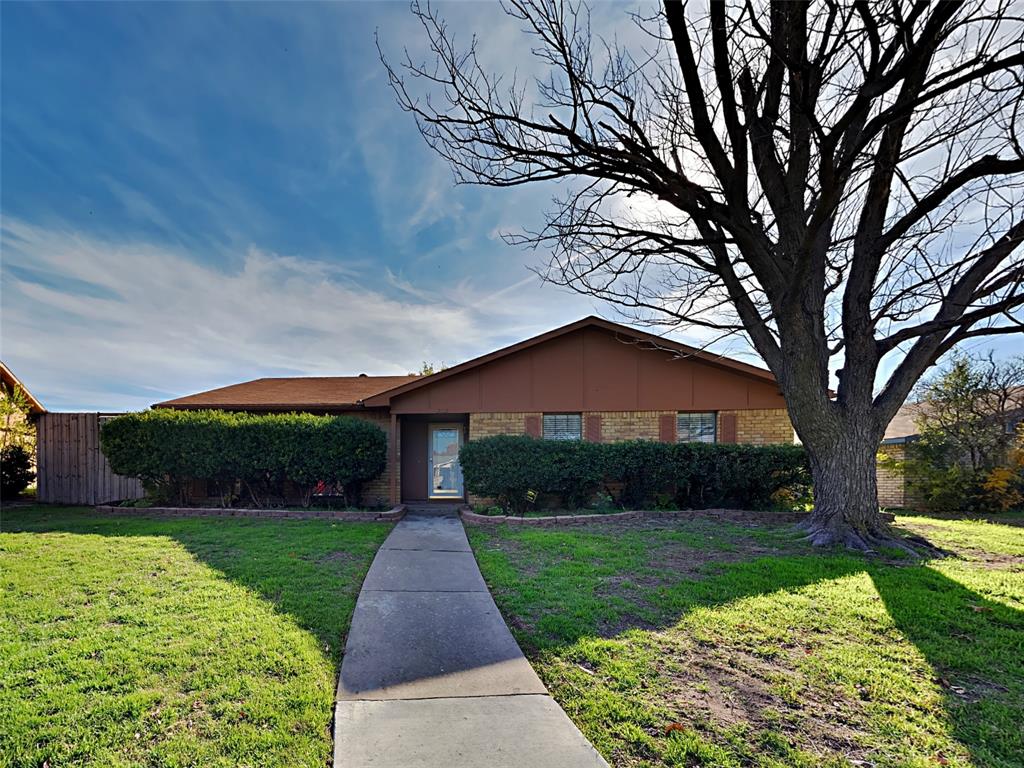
[869, 541]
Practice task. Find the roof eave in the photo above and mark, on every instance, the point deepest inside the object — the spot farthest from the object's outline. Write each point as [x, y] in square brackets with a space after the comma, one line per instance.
[256, 407]
[35, 407]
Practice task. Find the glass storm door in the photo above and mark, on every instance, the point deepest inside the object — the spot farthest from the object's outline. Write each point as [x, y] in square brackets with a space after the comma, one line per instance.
[445, 474]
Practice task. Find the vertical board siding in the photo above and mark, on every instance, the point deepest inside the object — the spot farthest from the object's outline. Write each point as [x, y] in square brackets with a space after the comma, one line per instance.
[71, 468]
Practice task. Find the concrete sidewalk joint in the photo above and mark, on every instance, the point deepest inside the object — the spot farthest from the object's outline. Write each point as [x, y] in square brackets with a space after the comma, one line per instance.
[431, 675]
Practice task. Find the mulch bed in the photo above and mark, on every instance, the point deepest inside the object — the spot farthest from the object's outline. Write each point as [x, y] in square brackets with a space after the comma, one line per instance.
[733, 515]
[392, 515]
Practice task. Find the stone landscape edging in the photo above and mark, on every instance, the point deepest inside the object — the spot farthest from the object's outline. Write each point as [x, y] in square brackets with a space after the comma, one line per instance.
[736, 515]
[392, 515]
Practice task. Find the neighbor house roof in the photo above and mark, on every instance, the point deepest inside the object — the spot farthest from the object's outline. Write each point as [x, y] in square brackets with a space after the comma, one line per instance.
[10, 380]
[623, 332]
[903, 424]
[904, 428]
[306, 392]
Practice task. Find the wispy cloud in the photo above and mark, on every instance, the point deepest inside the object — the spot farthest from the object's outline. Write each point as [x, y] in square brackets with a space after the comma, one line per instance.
[156, 323]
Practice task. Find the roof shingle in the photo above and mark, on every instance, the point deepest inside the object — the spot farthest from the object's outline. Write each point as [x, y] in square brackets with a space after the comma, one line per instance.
[291, 392]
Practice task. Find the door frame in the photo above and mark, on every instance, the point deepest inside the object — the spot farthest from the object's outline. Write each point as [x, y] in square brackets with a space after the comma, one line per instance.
[460, 493]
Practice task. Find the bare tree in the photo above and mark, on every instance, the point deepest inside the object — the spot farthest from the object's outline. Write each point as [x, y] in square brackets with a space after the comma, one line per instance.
[839, 181]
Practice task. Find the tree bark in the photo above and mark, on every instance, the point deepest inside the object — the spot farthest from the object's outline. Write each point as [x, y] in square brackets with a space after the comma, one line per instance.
[846, 495]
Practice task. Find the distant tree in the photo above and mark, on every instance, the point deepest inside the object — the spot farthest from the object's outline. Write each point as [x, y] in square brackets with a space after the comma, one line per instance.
[16, 428]
[428, 368]
[841, 182]
[970, 406]
[967, 453]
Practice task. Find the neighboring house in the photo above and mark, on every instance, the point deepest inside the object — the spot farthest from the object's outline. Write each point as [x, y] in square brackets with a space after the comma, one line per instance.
[893, 490]
[902, 430]
[590, 380]
[13, 419]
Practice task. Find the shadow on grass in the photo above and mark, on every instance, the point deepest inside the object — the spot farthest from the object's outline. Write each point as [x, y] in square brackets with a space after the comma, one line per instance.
[309, 570]
[973, 645]
[312, 571]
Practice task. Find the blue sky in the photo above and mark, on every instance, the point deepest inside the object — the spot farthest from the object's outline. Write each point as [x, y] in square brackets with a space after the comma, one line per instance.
[196, 194]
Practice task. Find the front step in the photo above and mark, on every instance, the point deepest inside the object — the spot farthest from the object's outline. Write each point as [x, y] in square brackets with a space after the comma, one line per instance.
[434, 509]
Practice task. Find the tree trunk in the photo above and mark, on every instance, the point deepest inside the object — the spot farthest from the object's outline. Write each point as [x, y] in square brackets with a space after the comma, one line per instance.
[846, 495]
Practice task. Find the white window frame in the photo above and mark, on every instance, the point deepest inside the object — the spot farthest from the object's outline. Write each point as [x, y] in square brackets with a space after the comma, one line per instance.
[562, 426]
[685, 423]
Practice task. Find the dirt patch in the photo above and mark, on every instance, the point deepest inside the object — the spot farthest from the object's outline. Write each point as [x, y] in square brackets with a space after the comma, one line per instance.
[339, 557]
[993, 560]
[718, 687]
[694, 562]
[706, 525]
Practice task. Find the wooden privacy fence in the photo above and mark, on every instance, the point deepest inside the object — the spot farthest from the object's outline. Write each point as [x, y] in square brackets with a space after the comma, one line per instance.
[71, 468]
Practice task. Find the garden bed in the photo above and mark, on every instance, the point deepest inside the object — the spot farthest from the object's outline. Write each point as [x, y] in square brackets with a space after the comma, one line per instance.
[359, 516]
[734, 515]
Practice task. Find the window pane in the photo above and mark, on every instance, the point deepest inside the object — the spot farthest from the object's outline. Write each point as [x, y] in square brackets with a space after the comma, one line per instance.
[563, 426]
[695, 427]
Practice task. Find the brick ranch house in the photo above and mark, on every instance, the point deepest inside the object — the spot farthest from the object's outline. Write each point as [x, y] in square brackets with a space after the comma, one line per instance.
[590, 380]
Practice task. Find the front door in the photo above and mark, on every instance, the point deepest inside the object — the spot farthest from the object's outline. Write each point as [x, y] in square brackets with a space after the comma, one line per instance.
[443, 471]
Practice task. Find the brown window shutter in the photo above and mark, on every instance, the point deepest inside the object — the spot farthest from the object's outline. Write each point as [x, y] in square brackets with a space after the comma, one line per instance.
[667, 427]
[728, 428]
[594, 428]
[533, 426]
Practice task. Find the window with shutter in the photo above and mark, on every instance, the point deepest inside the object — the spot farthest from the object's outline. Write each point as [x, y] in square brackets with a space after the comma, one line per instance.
[563, 426]
[695, 427]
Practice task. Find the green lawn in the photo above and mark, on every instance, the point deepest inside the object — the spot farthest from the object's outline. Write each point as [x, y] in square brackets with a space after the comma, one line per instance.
[173, 642]
[706, 643]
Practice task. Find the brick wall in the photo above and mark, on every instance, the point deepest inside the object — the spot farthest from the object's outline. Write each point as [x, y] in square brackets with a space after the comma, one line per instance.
[627, 425]
[491, 424]
[761, 426]
[378, 492]
[892, 487]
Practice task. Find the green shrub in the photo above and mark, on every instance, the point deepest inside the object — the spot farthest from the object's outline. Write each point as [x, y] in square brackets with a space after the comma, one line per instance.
[261, 452]
[575, 471]
[738, 476]
[506, 467]
[648, 474]
[645, 470]
[15, 471]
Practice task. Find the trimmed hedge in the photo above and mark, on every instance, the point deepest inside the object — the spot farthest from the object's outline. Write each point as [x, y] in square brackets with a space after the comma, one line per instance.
[506, 467]
[263, 453]
[649, 474]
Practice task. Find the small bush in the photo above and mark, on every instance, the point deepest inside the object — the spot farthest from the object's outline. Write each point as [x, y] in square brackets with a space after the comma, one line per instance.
[647, 474]
[507, 467]
[738, 476]
[15, 471]
[643, 468]
[264, 453]
[938, 476]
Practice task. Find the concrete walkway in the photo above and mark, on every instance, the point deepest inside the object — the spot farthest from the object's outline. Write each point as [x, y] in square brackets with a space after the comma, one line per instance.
[431, 675]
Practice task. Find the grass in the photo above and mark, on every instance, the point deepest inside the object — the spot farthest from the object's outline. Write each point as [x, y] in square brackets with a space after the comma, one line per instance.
[706, 643]
[173, 642]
